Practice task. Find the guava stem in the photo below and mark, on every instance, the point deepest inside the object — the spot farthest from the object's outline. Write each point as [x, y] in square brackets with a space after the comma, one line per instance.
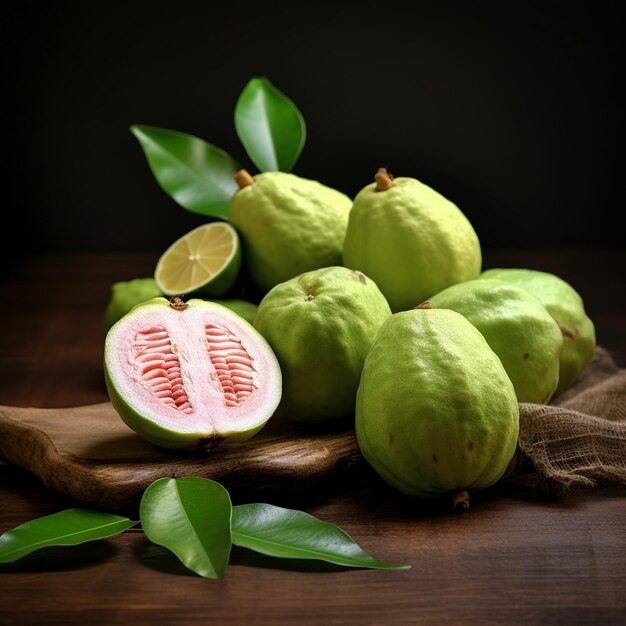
[460, 501]
[206, 444]
[244, 179]
[424, 305]
[384, 180]
[178, 304]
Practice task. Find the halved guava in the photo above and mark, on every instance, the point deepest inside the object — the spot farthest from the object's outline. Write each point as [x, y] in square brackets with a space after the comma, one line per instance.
[190, 375]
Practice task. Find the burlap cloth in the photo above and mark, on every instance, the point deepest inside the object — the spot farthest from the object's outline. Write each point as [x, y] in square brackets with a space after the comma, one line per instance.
[579, 439]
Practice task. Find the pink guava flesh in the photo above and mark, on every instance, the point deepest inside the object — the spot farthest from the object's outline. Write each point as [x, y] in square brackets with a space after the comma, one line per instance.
[200, 370]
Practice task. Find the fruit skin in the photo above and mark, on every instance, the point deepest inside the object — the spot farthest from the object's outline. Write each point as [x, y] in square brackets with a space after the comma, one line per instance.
[566, 306]
[125, 295]
[207, 437]
[243, 308]
[435, 410]
[411, 241]
[518, 329]
[320, 325]
[288, 225]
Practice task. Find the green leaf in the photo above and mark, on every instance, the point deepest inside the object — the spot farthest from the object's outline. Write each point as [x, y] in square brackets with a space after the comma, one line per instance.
[269, 125]
[191, 517]
[65, 528]
[293, 534]
[199, 176]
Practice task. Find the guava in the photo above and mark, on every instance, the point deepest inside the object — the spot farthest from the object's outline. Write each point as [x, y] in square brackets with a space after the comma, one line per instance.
[287, 225]
[190, 375]
[410, 240]
[436, 413]
[125, 295]
[320, 325]
[566, 306]
[518, 329]
[243, 308]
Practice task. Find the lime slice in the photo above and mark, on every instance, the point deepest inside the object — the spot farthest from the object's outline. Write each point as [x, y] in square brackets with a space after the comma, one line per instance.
[205, 261]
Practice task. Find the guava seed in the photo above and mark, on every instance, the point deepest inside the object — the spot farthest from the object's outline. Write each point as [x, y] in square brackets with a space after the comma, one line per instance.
[160, 368]
[231, 362]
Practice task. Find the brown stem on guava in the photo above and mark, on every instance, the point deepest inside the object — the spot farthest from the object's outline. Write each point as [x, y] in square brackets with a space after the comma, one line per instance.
[384, 180]
[424, 305]
[244, 179]
[460, 500]
[206, 444]
[178, 304]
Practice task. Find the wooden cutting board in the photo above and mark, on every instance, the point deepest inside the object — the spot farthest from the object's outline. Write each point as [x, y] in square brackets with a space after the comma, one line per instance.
[89, 455]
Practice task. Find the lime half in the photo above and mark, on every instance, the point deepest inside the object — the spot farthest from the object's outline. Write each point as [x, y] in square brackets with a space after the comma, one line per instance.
[205, 261]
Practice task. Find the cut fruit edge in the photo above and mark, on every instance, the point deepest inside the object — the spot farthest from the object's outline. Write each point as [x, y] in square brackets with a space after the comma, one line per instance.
[185, 256]
[200, 371]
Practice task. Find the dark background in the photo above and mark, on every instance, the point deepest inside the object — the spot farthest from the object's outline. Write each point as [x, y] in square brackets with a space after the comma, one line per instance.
[512, 110]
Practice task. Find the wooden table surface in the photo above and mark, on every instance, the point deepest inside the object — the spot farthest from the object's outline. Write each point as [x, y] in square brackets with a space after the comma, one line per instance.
[514, 558]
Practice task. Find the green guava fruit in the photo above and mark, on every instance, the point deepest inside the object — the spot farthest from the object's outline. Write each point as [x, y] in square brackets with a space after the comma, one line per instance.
[125, 295]
[566, 306]
[287, 225]
[320, 325]
[190, 375]
[243, 308]
[410, 240]
[518, 329]
[436, 413]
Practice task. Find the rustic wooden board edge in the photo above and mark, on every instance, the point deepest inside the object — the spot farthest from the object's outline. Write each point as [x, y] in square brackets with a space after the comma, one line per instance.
[268, 464]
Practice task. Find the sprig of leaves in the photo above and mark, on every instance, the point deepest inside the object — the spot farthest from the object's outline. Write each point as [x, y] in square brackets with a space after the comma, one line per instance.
[200, 176]
[194, 518]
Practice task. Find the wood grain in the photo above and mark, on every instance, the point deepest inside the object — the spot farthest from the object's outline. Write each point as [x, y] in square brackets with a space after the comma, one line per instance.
[514, 558]
[90, 455]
